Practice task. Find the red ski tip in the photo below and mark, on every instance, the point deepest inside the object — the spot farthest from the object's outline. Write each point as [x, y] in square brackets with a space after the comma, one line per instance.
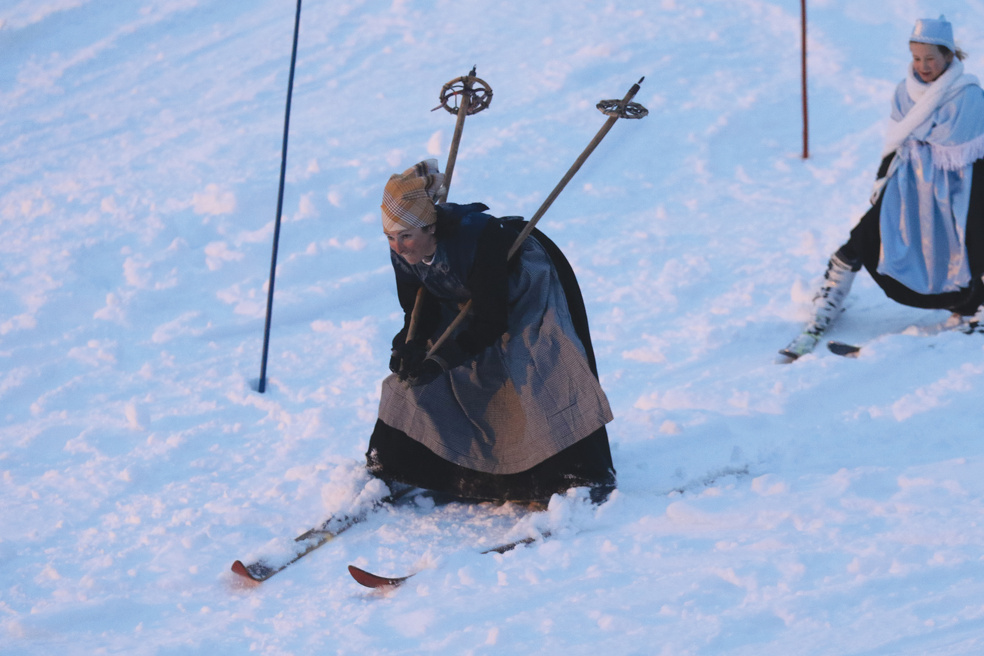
[370, 580]
[240, 569]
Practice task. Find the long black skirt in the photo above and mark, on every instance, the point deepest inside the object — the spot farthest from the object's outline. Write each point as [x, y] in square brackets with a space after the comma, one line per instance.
[396, 457]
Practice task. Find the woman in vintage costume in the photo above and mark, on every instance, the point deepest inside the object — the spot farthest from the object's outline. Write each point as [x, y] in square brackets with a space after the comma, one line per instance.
[923, 239]
[510, 407]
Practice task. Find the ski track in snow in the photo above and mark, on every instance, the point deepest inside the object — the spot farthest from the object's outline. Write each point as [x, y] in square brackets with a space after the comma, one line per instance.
[829, 507]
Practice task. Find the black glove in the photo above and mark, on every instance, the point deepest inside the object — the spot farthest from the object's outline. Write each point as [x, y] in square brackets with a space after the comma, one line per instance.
[407, 357]
[426, 372]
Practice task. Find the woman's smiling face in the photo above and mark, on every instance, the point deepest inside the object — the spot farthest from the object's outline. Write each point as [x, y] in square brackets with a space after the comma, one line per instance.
[928, 61]
[413, 244]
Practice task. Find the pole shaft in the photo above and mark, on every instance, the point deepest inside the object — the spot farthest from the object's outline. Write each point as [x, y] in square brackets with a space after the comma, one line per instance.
[806, 118]
[261, 387]
[571, 172]
[459, 126]
[560, 185]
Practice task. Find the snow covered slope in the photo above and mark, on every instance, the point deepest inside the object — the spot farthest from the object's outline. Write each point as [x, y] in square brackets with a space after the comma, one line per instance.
[830, 507]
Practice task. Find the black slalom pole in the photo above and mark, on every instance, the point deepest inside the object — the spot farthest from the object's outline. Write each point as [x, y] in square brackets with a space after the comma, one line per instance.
[806, 118]
[261, 387]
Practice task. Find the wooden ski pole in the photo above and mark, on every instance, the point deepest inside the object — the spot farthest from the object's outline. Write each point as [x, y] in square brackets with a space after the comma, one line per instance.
[614, 110]
[469, 103]
[475, 95]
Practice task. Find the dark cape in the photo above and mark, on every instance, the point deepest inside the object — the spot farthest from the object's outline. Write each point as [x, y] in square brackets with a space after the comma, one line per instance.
[521, 416]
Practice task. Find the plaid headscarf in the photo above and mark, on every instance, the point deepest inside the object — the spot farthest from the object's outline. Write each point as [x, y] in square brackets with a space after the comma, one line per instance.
[408, 198]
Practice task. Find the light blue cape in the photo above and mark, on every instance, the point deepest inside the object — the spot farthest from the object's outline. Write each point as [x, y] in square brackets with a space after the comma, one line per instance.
[926, 197]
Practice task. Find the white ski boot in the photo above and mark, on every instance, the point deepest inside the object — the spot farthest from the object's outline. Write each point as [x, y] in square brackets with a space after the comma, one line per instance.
[827, 304]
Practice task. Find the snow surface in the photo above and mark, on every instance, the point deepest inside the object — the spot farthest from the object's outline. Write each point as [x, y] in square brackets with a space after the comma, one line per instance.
[832, 506]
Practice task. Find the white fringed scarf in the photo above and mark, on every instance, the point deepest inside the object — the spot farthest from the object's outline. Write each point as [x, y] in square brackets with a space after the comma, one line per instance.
[950, 156]
[928, 98]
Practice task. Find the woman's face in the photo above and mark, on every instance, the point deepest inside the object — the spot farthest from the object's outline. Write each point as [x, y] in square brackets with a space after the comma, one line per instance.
[413, 244]
[928, 61]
